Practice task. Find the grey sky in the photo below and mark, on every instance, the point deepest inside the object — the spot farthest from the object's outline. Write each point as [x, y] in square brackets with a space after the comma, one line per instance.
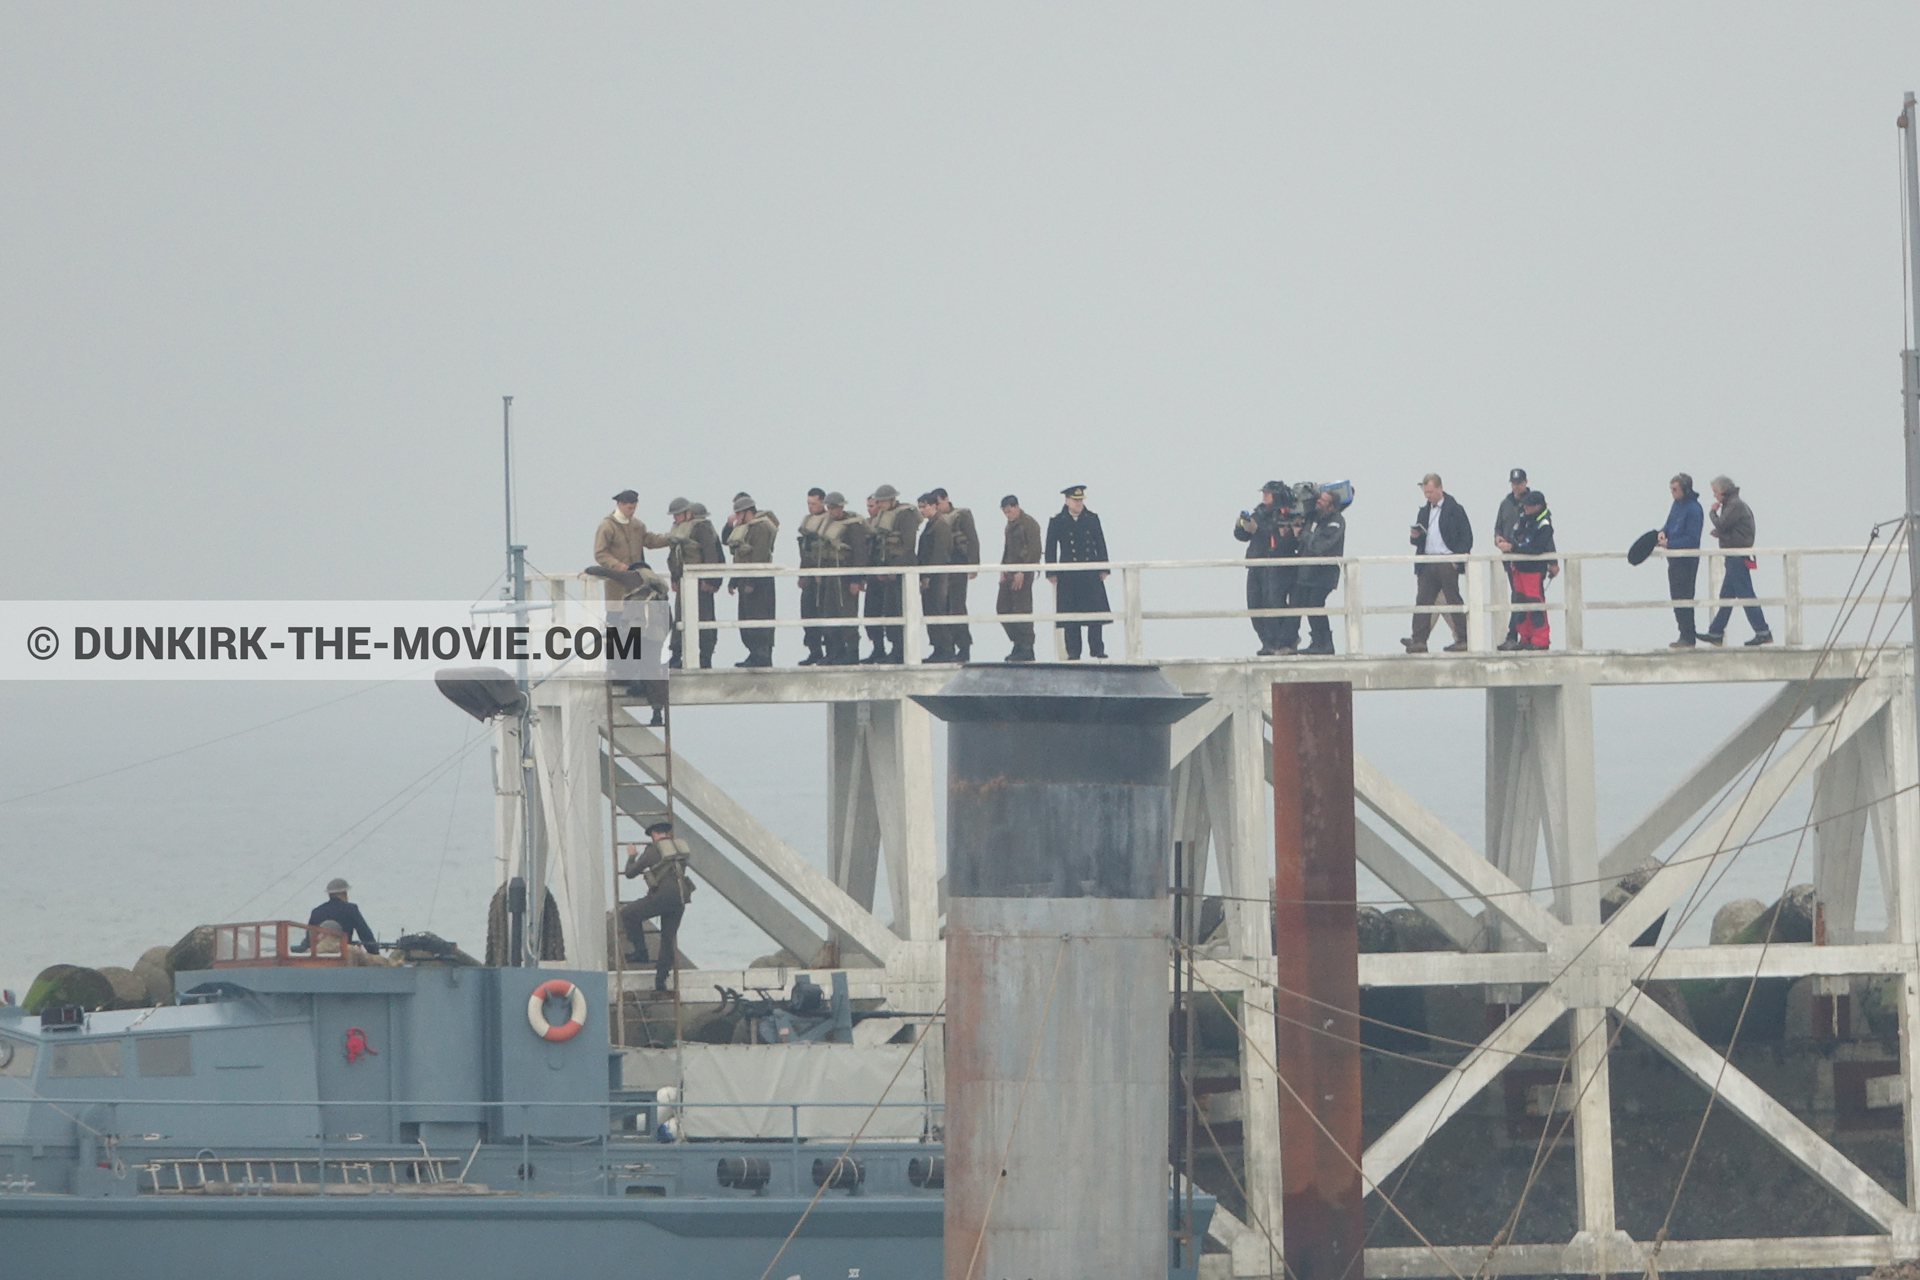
[268, 268]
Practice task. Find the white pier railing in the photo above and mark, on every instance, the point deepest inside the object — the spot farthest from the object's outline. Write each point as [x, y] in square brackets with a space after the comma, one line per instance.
[1815, 587]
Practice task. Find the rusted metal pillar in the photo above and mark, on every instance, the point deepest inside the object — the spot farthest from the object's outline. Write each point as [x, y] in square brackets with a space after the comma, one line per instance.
[1059, 817]
[1316, 955]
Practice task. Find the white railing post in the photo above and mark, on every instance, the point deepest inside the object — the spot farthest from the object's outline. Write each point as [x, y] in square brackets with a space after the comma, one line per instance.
[1356, 615]
[1476, 601]
[1574, 590]
[689, 620]
[1790, 590]
[910, 610]
[1136, 642]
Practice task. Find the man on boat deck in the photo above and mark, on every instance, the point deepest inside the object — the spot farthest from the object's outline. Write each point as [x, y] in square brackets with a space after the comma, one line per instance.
[344, 916]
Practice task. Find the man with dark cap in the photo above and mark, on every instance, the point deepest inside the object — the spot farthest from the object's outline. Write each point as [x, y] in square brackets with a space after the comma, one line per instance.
[1682, 533]
[337, 912]
[891, 544]
[621, 543]
[937, 590]
[1074, 536]
[692, 541]
[1023, 546]
[1510, 509]
[750, 538]
[1532, 535]
[669, 889]
[843, 545]
[809, 539]
[1272, 533]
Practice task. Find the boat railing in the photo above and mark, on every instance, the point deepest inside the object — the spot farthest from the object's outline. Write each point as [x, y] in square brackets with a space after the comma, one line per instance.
[277, 943]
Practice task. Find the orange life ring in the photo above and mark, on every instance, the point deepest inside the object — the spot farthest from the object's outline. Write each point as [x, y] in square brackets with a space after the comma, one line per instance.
[537, 1014]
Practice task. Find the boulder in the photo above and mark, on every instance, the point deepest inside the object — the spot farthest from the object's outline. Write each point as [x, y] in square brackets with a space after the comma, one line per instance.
[129, 992]
[194, 951]
[1376, 932]
[65, 984]
[157, 979]
[1729, 920]
[1416, 932]
[1788, 920]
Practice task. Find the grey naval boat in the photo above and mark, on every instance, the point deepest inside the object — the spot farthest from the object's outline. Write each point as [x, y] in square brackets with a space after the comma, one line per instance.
[293, 1116]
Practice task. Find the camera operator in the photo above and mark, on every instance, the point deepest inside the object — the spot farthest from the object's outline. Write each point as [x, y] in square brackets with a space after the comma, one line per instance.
[1326, 535]
[1272, 532]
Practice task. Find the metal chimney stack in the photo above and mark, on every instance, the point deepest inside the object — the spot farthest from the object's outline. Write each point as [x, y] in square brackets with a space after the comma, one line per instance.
[1058, 835]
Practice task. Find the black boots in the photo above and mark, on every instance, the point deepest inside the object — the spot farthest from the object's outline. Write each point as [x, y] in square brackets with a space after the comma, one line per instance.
[1021, 653]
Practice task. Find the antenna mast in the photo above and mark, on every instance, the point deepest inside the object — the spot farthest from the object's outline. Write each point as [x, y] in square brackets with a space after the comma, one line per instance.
[1910, 358]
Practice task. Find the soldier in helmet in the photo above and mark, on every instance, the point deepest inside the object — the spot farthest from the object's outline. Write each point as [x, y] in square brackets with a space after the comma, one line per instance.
[809, 539]
[750, 538]
[669, 889]
[891, 544]
[692, 541]
[843, 545]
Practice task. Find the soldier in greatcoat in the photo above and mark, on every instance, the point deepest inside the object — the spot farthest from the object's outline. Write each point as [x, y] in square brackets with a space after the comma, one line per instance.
[966, 550]
[1023, 546]
[1074, 536]
[937, 590]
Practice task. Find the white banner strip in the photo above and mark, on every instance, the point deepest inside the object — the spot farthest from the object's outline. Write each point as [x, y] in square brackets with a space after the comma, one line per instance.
[330, 639]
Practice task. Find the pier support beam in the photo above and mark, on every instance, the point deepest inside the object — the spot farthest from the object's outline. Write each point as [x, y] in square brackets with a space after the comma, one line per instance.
[1317, 979]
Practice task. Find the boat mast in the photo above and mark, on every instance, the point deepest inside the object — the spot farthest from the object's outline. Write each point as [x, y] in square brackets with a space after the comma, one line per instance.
[1910, 358]
[516, 591]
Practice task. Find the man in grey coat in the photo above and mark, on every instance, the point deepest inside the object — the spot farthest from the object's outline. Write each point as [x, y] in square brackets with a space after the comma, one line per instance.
[1733, 527]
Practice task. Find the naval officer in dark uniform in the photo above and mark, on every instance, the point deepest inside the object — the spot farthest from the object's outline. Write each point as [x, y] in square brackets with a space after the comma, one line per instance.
[1074, 536]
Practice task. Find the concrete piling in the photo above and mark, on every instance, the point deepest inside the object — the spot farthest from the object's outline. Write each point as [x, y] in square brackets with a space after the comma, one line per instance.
[1058, 819]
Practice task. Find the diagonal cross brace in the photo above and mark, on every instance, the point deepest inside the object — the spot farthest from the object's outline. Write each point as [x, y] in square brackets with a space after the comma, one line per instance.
[1741, 748]
[1777, 1124]
[1454, 855]
[1741, 816]
[1457, 1088]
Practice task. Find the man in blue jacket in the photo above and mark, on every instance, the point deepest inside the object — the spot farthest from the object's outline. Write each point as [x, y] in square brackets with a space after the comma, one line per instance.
[1682, 533]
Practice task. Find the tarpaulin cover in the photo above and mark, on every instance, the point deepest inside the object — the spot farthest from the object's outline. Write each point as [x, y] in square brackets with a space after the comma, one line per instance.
[758, 1080]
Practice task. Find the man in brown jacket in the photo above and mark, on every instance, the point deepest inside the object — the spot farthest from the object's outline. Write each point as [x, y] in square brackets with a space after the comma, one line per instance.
[621, 543]
[1016, 589]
